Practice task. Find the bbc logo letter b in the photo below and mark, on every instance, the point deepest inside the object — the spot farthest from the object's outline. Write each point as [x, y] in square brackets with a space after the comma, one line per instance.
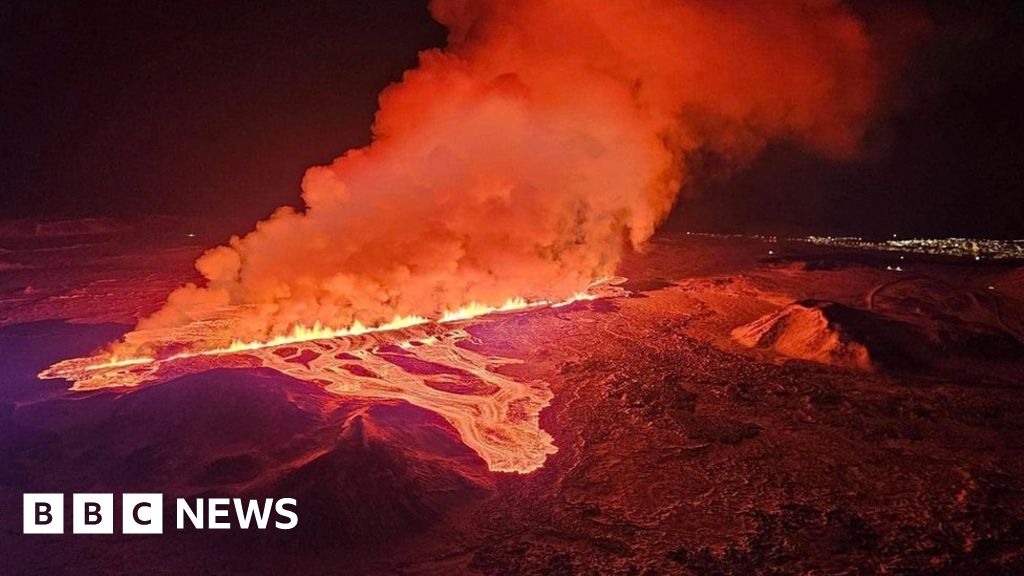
[93, 514]
[43, 514]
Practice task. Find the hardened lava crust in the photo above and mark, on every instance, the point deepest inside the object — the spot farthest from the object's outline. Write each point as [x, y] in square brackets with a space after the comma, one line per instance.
[748, 407]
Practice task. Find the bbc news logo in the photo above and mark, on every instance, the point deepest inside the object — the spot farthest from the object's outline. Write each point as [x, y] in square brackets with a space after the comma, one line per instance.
[144, 513]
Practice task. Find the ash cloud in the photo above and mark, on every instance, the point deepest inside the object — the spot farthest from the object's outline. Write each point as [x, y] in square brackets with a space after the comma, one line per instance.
[527, 155]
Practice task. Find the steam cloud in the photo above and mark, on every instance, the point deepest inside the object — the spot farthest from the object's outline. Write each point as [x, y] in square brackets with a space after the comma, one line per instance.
[523, 158]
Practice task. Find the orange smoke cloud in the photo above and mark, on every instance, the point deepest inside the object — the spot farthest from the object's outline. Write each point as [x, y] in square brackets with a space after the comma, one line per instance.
[523, 158]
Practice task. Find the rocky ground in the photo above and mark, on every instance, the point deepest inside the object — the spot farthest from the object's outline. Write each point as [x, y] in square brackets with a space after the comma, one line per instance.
[684, 447]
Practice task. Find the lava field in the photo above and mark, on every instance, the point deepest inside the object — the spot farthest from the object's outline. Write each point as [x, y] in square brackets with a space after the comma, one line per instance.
[740, 408]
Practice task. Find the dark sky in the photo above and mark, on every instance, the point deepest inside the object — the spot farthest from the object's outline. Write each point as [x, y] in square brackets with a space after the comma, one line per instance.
[193, 108]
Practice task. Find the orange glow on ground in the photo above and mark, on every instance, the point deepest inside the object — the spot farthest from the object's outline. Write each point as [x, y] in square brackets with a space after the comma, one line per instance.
[496, 416]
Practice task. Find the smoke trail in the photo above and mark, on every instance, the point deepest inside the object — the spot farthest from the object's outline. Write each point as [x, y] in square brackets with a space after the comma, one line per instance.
[523, 158]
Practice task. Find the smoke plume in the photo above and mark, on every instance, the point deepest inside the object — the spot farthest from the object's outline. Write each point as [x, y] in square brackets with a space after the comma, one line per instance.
[523, 158]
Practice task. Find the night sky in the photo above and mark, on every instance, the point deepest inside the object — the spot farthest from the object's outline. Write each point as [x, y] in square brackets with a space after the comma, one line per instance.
[196, 108]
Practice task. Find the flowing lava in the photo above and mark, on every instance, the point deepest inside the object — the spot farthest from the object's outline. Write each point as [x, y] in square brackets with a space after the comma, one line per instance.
[412, 359]
[520, 160]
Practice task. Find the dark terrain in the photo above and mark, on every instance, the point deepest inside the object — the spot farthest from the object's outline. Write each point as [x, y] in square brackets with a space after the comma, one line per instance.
[680, 449]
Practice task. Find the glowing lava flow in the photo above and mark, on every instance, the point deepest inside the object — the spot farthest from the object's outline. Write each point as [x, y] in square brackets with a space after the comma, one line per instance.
[495, 416]
[319, 332]
[302, 333]
[411, 359]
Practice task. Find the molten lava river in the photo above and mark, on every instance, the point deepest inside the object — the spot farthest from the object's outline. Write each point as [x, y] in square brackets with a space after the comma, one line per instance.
[436, 365]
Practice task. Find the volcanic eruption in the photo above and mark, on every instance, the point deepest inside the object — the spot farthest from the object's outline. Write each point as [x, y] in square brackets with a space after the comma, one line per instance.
[521, 159]
[614, 287]
[511, 169]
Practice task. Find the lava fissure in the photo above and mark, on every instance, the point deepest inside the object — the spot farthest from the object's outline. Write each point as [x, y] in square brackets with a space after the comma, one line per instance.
[498, 417]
